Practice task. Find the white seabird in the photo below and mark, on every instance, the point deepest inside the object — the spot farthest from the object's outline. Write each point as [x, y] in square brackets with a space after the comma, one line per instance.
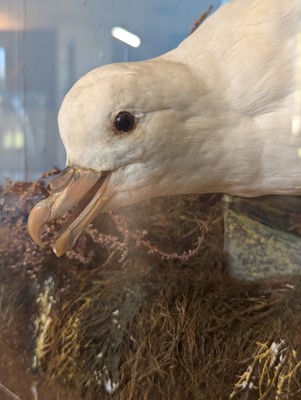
[217, 114]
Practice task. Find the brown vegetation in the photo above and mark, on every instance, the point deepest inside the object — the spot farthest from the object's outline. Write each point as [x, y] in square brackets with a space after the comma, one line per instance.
[143, 307]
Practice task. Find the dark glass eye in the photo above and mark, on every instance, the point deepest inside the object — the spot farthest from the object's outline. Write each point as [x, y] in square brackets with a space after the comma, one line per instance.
[124, 122]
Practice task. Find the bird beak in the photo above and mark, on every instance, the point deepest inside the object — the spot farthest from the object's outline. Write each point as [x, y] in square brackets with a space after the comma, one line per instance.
[79, 191]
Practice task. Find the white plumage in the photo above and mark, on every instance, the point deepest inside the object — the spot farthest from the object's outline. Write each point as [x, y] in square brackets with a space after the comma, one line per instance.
[217, 114]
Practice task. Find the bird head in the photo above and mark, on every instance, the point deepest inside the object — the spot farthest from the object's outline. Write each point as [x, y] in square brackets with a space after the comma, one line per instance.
[202, 118]
[125, 128]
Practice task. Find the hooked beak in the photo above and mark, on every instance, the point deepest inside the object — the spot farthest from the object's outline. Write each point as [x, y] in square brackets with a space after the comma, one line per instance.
[81, 191]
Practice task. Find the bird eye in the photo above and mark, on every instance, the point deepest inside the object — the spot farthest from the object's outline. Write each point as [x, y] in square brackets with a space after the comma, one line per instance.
[124, 122]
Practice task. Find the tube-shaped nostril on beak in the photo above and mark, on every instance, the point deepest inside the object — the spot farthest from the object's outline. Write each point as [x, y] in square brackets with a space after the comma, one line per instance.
[61, 181]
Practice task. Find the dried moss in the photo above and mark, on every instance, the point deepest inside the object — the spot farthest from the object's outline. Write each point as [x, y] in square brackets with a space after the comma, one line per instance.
[142, 307]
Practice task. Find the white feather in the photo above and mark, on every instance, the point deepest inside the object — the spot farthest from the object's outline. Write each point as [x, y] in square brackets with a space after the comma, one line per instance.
[213, 115]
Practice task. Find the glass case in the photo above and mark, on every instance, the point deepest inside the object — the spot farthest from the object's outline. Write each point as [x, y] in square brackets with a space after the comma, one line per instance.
[168, 268]
[46, 46]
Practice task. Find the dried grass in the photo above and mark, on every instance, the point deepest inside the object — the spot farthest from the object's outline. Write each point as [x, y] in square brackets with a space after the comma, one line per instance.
[143, 303]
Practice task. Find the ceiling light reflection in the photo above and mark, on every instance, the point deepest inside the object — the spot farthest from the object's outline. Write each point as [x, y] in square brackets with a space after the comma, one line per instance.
[125, 36]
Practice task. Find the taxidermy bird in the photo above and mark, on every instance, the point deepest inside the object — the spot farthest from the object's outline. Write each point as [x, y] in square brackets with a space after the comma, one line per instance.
[220, 113]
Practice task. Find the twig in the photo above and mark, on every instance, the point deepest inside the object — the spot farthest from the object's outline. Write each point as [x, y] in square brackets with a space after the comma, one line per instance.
[201, 19]
[8, 392]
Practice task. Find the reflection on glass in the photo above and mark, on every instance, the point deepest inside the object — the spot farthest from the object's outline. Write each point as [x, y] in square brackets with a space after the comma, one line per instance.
[13, 139]
[125, 36]
[296, 122]
[2, 64]
[42, 55]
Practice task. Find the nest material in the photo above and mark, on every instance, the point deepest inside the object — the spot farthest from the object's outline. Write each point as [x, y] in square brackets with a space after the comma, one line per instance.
[142, 308]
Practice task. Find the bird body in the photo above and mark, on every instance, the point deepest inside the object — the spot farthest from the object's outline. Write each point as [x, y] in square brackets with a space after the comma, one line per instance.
[220, 113]
[250, 67]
